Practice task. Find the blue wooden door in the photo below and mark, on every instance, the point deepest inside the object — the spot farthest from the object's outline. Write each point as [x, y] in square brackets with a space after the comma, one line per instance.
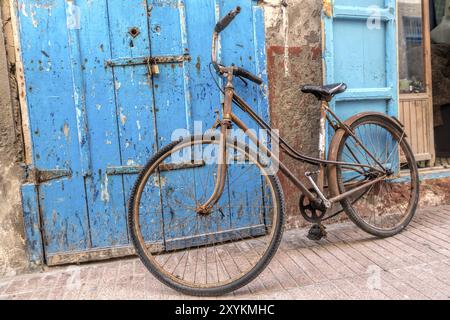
[98, 109]
[360, 49]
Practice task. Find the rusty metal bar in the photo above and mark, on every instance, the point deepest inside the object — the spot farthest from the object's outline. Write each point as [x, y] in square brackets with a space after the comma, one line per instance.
[113, 171]
[123, 62]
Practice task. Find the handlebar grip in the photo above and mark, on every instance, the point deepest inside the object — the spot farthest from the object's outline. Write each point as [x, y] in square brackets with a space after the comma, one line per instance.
[222, 24]
[247, 75]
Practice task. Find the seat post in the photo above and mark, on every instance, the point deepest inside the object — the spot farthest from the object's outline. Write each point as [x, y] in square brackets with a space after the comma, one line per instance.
[322, 144]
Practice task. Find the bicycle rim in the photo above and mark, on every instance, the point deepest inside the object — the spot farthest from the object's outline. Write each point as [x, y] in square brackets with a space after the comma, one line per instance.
[208, 254]
[388, 206]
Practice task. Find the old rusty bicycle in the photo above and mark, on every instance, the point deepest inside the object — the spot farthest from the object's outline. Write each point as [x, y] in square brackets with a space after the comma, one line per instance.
[206, 213]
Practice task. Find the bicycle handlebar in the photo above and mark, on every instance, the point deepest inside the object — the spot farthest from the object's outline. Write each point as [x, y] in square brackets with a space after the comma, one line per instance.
[222, 24]
[247, 75]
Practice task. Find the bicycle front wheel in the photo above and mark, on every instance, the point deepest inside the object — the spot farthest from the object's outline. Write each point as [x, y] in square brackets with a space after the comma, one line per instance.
[386, 207]
[205, 253]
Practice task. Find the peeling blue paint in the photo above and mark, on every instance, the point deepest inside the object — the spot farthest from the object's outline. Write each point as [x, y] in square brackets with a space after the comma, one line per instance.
[32, 223]
[361, 55]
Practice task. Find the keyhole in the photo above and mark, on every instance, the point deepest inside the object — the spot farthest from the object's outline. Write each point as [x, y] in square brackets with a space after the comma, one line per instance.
[134, 32]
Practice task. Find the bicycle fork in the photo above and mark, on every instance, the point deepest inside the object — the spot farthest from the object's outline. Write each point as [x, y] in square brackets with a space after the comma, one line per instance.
[219, 185]
[222, 165]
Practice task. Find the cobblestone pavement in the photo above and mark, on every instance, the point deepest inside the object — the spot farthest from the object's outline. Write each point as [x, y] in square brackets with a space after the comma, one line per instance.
[349, 264]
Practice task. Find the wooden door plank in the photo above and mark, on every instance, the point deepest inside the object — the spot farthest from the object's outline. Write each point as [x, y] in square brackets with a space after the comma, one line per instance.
[105, 194]
[52, 110]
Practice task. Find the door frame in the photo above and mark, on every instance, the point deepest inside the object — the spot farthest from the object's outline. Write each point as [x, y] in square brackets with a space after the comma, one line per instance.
[430, 156]
[20, 80]
[390, 92]
[34, 238]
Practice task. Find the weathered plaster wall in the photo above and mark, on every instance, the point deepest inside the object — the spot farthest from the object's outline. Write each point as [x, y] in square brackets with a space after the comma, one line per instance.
[294, 56]
[13, 257]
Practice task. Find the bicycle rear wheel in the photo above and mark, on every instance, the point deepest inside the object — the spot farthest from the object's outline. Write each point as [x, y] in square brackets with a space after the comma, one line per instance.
[386, 207]
[198, 253]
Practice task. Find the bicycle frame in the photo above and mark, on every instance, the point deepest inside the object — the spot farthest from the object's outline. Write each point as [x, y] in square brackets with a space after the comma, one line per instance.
[228, 118]
[190, 230]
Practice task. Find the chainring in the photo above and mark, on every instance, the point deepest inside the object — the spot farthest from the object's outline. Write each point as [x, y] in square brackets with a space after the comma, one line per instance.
[309, 211]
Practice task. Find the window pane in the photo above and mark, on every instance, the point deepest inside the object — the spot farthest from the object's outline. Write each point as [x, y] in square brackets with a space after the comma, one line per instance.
[411, 57]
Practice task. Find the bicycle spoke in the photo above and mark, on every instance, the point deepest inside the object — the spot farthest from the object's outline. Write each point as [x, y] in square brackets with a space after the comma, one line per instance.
[224, 244]
[386, 204]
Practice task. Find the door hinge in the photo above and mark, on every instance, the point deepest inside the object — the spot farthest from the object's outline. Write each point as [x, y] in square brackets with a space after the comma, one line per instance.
[38, 176]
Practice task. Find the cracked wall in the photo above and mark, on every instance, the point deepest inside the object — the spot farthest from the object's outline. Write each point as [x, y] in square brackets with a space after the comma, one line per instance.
[294, 57]
[13, 257]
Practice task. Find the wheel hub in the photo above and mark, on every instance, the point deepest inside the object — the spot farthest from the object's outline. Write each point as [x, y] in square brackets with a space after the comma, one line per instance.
[203, 211]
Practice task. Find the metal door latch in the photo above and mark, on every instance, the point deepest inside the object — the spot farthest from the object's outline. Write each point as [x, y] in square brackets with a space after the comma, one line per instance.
[151, 62]
[153, 69]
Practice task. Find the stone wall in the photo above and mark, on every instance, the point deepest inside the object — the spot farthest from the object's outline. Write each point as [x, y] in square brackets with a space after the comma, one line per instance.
[13, 257]
[294, 57]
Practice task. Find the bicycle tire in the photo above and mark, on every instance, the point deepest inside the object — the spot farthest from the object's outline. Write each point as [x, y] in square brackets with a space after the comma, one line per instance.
[335, 176]
[149, 262]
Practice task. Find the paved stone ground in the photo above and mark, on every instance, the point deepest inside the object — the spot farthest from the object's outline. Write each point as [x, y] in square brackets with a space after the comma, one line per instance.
[349, 264]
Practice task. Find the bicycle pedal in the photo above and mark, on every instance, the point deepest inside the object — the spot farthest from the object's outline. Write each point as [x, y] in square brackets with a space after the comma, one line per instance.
[317, 232]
